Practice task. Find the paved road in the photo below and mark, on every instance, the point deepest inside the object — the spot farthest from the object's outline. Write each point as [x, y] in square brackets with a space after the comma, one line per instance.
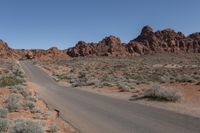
[93, 113]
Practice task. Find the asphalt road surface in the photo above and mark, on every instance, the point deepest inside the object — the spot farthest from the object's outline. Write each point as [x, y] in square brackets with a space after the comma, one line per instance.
[93, 113]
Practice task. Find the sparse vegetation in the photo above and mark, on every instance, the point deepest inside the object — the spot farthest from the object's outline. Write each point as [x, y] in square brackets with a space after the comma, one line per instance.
[9, 81]
[4, 125]
[29, 105]
[16, 99]
[126, 72]
[3, 112]
[12, 103]
[53, 128]
[23, 126]
[46, 115]
[35, 110]
[162, 94]
[31, 98]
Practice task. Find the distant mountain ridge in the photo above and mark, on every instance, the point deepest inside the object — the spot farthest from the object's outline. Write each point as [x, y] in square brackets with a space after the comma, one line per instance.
[147, 42]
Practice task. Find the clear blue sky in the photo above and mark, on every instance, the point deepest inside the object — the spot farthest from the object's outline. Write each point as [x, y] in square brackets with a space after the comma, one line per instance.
[46, 23]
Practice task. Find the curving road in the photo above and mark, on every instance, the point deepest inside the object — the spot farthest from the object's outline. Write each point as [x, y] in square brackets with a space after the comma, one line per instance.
[93, 113]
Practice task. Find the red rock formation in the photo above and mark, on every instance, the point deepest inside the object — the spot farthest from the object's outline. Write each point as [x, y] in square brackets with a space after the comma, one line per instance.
[45, 54]
[147, 42]
[81, 49]
[6, 51]
[109, 46]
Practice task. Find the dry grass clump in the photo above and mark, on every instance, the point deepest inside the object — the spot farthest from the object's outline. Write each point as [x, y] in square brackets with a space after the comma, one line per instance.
[162, 94]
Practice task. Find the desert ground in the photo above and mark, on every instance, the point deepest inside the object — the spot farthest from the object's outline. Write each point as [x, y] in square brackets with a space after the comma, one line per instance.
[131, 78]
[21, 109]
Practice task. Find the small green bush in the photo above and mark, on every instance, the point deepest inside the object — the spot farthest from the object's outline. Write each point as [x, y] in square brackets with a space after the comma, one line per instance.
[4, 125]
[29, 105]
[35, 110]
[3, 112]
[46, 115]
[9, 81]
[12, 103]
[184, 78]
[24, 92]
[53, 128]
[22, 126]
[20, 89]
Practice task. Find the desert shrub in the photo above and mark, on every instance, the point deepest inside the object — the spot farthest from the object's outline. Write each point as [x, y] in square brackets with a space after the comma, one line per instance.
[9, 81]
[46, 115]
[12, 103]
[53, 128]
[108, 84]
[162, 94]
[36, 116]
[123, 86]
[20, 89]
[22, 126]
[4, 125]
[29, 105]
[15, 88]
[31, 98]
[35, 110]
[18, 72]
[3, 112]
[24, 92]
[184, 78]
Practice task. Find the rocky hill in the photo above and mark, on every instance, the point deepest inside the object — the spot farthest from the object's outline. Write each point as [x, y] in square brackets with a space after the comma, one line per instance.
[6, 51]
[53, 52]
[167, 40]
[147, 42]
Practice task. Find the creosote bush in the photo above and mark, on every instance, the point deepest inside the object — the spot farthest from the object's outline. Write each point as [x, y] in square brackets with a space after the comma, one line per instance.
[9, 81]
[36, 110]
[4, 125]
[12, 103]
[3, 112]
[29, 105]
[53, 128]
[23, 126]
[162, 94]
[20, 89]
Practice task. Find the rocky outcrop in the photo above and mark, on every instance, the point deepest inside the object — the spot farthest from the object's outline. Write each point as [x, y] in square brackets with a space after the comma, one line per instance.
[147, 42]
[109, 46]
[6, 51]
[53, 52]
[81, 49]
[167, 40]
